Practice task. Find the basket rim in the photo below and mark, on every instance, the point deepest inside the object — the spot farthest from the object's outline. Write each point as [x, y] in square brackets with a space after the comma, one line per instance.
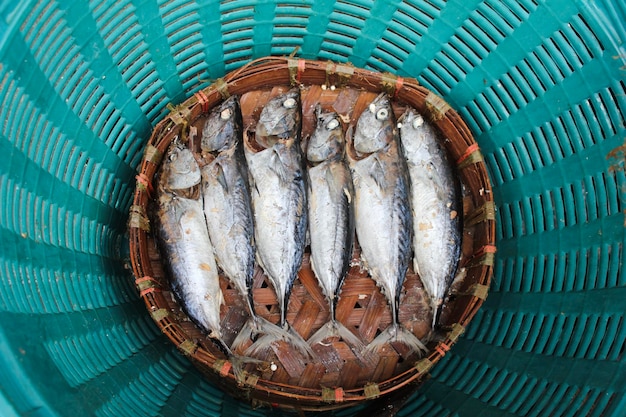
[268, 72]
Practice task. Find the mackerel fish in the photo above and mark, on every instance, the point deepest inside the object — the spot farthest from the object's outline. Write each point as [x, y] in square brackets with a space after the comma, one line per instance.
[227, 208]
[279, 202]
[382, 210]
[185, 240]
[435, 203]
[331, 218]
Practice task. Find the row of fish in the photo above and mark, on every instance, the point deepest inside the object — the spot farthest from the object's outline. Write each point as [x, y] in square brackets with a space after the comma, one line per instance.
[257, 196]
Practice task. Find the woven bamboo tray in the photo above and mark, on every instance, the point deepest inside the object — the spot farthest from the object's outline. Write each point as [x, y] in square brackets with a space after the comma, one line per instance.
[338, 379]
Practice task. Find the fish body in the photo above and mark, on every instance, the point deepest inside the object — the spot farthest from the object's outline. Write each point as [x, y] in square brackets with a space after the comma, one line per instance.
[226, 197]
[330, 204]
[186, 242]
[279, 194]
[331, 217]
[435, 205]
[382, 209]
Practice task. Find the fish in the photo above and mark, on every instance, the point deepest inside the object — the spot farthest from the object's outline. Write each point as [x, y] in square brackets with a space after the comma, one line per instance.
[435, 196]
[383, 220]
[279, 201]
[185, 241]
[228, 210]
[331, 218]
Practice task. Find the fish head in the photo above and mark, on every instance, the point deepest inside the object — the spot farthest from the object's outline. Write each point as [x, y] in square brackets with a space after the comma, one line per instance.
[375, 127]
[180, 169]
[327, 138]
[414, 133]
[411, 123]
[280, 118]
[222, 127]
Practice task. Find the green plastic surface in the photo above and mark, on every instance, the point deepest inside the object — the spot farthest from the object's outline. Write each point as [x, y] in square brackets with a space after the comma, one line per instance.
[540, 83]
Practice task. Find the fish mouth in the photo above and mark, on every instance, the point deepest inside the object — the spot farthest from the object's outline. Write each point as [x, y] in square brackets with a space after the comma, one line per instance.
[250, 141]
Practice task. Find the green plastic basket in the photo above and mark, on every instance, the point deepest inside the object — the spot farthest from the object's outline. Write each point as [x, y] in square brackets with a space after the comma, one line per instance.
[542, 85]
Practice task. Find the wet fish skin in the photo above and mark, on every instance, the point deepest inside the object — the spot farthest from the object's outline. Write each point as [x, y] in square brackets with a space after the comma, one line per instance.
[278, 193]
[186, 242]
[382, 209]
[331, 217]
[226, 197]
[435, 204]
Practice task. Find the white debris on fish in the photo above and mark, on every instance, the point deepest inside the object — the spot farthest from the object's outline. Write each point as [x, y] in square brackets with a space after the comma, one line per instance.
[435, 205]
[331, 218]
[279, 203]
[186, 242]
[382, 210]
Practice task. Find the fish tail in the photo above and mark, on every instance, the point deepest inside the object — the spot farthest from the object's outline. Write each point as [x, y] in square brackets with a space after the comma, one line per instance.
[273, 333]
[405, 336]
[337, 329]
[436, 308]
[300, 344]
[247, 332]
[397, 333]
[239, 362]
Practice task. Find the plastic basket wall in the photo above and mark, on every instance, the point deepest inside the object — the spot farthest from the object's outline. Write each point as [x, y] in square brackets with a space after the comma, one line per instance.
[540, 83]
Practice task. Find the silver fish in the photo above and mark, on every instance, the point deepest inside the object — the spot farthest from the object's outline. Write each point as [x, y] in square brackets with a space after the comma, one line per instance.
[382, 210]
[186, 241]
[227, 207]
[278, 194]
[331, 218]
[226, 197]
[435, 204]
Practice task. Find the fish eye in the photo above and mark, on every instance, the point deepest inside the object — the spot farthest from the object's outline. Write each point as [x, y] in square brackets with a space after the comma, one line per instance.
[225, 114]
[173, 157]
[382, 114]
[290, 103]
[332, 124]
[417, 122]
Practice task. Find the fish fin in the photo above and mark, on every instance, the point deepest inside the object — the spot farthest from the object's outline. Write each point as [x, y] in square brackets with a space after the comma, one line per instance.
[238, 362]
[337, 329]
[274, 334]
[397, 333]
[221, 177]
[300, 344]
[436, 306]
[378, 173]
[277, 165]
[246, 333]
[261, 344]
[257, 327]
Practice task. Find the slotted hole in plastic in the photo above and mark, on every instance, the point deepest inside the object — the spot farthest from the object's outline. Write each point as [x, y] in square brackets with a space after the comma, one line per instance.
[451, 60]
[81, 357]
[388, 56]
[548, 62]
[205, 396]
[131, 399]
[75, 81]
[183, 30]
